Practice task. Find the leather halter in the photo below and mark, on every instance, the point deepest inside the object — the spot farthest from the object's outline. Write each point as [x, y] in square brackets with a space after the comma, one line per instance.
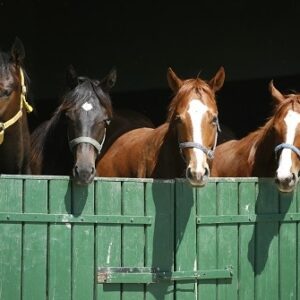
[88, 140]
[18, 115]
[287, 146]
[209, 152]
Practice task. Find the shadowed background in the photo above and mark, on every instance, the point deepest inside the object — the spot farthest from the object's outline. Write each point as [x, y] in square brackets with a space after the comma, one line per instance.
[255, 42]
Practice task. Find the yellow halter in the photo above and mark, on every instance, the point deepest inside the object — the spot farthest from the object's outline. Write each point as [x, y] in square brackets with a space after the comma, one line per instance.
[19, 114]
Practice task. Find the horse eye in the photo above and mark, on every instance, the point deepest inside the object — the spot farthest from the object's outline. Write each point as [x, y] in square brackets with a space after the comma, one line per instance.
[5, 93]
[214, 120]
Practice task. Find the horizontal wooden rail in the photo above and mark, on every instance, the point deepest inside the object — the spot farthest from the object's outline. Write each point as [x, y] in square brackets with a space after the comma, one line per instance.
[247, 219]
[68, 218]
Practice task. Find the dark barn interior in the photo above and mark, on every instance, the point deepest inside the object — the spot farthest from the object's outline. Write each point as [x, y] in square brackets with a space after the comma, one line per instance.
[255, 42]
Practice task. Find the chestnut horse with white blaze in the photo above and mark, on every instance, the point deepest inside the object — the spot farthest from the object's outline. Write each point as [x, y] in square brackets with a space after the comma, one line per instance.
[185, 143]
[272, 150]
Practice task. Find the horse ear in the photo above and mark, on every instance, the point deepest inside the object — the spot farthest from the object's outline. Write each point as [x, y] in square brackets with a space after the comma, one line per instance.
[109, 80]
[17, 51]
[276, 95]
[218, 80]
[174, 82]
[71, 77]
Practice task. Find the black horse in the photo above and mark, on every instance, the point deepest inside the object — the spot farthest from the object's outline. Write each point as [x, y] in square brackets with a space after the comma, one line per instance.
[14, 132]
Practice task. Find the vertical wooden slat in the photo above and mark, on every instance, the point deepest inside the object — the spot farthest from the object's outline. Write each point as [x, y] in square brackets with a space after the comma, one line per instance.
[133, 240]
[227, 235]
[35, 242]
[83, 244]
[247, 198]
[108, 237]
[266, 246]
[185, 237]
[160, 236]
[59, 243]
[288, 249]
[10, 240]
[207, 240]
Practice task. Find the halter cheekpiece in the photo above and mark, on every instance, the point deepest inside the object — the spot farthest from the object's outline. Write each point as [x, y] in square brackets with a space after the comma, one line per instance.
[209, 152]
[18, 115]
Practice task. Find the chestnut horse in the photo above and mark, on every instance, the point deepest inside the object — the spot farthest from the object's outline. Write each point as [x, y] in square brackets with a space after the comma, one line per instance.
[272, 150]
[78, 126]
[14, 132]
[187, 138]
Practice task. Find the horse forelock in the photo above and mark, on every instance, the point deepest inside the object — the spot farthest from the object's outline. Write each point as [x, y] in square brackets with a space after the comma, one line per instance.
[190, 86]
[83, 93]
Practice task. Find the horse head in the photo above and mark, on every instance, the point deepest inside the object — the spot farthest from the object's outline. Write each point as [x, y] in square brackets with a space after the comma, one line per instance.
[87, 110]
[287, 136]
[194, 116]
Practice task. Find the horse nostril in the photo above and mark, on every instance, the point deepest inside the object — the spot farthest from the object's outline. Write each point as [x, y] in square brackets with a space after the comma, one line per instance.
[188, 172]
[206, 172]
[293, 176]
[93, 170]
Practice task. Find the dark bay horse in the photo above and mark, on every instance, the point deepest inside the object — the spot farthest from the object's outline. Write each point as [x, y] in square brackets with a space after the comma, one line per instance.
[185, 143]
[14, 132]
[78, 126]
[272, 150]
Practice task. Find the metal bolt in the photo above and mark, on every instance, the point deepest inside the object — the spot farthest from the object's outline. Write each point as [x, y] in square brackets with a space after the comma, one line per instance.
[131, 220]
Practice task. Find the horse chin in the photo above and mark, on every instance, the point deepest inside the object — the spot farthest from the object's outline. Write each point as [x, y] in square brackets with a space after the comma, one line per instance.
[82, 182]
[198, 183]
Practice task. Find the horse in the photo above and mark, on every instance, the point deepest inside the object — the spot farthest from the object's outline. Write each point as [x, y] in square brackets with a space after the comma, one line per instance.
[272, 150]
[14, 131]
[184, 143]
[70, 142]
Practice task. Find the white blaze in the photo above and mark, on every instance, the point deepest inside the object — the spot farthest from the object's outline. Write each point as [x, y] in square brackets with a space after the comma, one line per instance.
[292, 119]
[196, 111]
[87, 106]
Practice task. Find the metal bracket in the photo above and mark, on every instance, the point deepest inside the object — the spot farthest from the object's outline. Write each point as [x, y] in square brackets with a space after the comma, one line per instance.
[154, 275]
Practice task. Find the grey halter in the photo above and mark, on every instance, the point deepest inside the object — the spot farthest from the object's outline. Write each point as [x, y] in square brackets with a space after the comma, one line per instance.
[209, 152]
[88, 140]
[287, 146]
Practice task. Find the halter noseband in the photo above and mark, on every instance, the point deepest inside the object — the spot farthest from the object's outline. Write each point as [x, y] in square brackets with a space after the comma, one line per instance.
[18, 115]
[209, 152]
[287, 146]
[88, 140]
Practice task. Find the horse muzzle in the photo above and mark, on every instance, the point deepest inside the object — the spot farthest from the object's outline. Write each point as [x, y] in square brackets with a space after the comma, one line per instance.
[197, 178]
[286, 184]
[84, 174]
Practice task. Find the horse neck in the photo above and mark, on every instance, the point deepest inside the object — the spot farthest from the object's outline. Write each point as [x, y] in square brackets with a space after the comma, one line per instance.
[56, 152]
[264, 162]
[169, 161]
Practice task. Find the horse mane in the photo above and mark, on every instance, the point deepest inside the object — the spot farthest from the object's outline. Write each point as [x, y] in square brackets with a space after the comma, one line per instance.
[190, 85]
